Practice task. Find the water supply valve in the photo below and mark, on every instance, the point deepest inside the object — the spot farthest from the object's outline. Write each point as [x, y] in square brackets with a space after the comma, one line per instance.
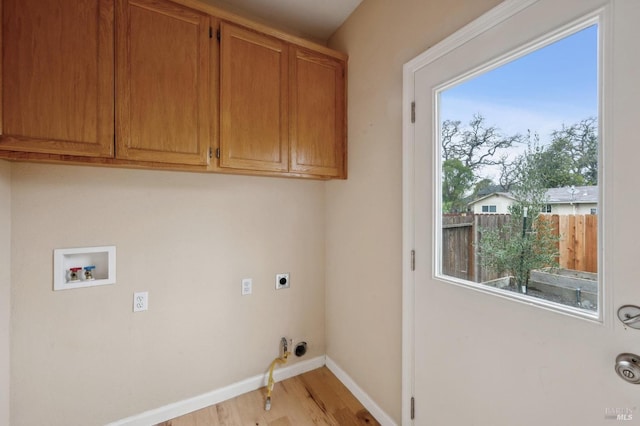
[88, 272]
[73, 274]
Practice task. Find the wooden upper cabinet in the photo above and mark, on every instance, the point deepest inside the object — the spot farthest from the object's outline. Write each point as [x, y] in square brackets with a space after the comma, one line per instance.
[146, 83]
[318, 116]
[253, 100]
[57, 77]
[163, 82]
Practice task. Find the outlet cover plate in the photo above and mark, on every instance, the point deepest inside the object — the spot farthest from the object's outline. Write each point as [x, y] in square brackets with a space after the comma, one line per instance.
[283, 281]
[247, 286]
[140, 301]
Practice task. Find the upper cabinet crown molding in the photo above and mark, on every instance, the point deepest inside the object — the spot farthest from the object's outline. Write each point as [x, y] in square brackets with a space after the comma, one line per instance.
[234, 18]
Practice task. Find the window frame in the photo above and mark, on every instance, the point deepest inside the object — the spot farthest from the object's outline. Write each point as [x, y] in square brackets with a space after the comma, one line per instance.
[546, 39]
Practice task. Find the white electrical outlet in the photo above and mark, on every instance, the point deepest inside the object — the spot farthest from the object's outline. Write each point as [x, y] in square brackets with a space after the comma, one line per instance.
[282, 281]
[140, 301]
[247, 286]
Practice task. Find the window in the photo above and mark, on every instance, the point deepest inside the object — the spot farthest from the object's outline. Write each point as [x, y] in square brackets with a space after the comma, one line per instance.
[526, 128]
[594, 211]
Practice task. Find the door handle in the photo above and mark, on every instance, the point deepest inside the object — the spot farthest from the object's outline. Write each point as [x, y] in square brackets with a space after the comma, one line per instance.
[630, 316]
[628, 368]
[631, 320]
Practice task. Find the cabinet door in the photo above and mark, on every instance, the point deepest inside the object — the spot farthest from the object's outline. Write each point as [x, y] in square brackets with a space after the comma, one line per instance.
[57, 76]
[163, 82]
[318, 117]
[253, 101]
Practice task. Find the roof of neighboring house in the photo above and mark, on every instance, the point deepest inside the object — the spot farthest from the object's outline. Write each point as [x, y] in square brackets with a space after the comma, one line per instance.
[564, 195]
[497, 194]
[490, 190]
[572, 194]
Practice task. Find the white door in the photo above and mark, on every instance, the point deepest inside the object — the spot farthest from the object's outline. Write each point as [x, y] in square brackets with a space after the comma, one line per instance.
[472, 357]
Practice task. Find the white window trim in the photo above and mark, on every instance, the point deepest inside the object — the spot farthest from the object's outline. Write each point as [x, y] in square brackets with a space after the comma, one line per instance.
[539, 43]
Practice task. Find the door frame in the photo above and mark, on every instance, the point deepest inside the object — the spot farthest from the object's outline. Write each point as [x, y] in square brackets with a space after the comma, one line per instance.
[493, 17]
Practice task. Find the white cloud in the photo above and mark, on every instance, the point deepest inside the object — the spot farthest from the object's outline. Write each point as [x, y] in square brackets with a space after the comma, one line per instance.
[543, 118]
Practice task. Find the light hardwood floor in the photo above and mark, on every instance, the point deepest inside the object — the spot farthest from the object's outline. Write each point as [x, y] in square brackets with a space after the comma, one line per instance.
[313, 398]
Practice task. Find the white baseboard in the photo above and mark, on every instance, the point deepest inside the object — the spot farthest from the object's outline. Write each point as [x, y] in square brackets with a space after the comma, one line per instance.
[369, 404]
[181, 408]
[186, 406]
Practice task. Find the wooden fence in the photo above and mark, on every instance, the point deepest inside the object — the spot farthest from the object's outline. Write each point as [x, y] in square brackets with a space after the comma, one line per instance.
[577, 246]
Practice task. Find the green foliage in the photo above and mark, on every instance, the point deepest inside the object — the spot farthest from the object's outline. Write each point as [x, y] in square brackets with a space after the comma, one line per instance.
[572, 156]
[482, 185]
[554, 163]
[530, 188]
[581, 141]
[527, 241]
[519, 246]
[456, 180]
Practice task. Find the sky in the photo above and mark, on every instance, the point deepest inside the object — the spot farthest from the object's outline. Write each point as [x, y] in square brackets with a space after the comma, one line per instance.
[555, 85]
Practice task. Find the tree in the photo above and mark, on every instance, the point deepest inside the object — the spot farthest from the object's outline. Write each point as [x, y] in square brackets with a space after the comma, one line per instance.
[572, 156]
[526, 241]
[483, 186]
[508, 171]
[580, 143]
[477, 145]
[457, 179]
[466, 150]
[555, 165]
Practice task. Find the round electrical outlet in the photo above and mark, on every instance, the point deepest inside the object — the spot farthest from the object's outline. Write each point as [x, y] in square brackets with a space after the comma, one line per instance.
[301, 349]
[282, 281]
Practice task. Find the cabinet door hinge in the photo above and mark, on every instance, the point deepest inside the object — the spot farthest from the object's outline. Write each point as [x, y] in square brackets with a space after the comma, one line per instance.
[413, 260]
[413, 112]
[210, 152]
[413, 408]
[218, 35]
[217, 152]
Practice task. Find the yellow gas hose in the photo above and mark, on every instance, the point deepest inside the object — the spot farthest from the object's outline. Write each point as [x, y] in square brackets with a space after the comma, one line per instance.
[270, 383]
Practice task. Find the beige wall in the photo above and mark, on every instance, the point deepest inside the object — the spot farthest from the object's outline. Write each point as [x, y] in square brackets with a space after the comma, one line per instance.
[364, 221]
[81, 357]
[5, 287]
